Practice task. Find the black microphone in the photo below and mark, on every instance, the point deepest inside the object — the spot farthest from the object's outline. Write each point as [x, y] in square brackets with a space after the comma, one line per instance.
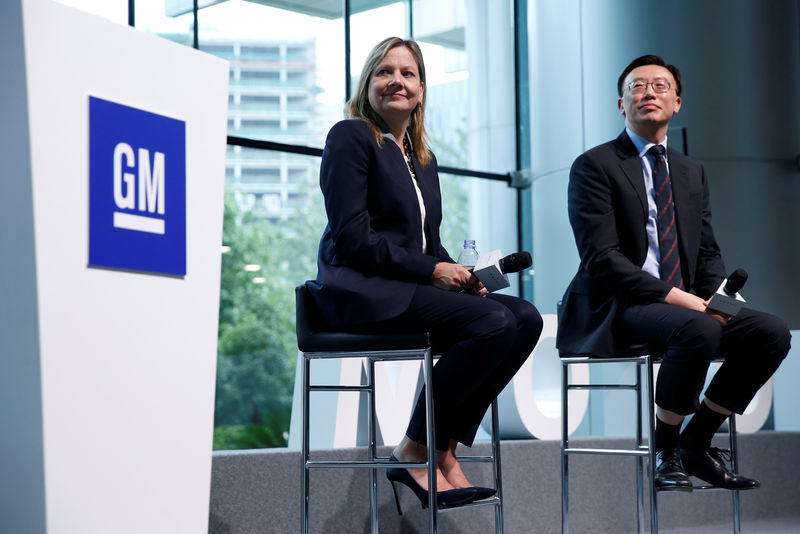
[735, 282]
[725, 300]
[491, 270]
[518, 261]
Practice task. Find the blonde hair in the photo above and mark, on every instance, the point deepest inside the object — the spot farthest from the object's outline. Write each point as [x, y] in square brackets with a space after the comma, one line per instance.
[358, 106]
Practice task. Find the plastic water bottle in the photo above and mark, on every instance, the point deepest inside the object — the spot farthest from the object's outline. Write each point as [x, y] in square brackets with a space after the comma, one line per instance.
[468, 256]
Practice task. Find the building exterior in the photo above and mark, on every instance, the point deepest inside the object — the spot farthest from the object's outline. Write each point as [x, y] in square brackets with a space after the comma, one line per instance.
[272, 90]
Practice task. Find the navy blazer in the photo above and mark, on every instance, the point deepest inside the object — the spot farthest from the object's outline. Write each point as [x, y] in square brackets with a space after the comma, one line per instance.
[370, 255]
[608, 212]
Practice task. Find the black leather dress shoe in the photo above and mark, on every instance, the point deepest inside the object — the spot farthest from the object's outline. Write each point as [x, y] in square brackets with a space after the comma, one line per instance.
[709, 465]
[670, 475]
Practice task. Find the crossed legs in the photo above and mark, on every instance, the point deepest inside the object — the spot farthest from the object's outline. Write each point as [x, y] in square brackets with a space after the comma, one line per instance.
[482, 342]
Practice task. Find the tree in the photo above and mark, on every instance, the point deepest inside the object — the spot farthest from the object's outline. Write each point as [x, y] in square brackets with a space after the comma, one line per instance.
[257, 349]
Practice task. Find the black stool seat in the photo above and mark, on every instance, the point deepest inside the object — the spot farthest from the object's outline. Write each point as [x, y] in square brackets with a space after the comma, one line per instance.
[353, 342]
[313, 335]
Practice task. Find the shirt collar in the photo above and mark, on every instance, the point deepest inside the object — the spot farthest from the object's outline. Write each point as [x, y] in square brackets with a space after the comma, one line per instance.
[389, 135]
[643, 145]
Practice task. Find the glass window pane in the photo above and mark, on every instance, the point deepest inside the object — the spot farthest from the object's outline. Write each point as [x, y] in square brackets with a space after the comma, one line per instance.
[113, 10]
[165, 18]
[469, 58]
[374, 22]
[455, 213]
[286, 85]
[479, 209]
[287, 67]
[274, 217]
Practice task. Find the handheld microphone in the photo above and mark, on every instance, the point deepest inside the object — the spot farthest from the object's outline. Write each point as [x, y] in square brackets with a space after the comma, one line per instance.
[518, 261]
[735, 282]
[491, 269]
[727, 299]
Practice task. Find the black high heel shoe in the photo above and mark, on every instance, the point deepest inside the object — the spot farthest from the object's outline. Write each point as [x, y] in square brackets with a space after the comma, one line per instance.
[483, 493]
[444, 499]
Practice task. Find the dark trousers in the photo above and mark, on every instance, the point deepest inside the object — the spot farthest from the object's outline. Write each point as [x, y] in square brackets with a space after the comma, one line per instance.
[753, 344]
[482, 343]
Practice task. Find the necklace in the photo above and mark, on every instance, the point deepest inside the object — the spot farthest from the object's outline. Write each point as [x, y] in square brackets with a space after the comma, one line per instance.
[407, 156]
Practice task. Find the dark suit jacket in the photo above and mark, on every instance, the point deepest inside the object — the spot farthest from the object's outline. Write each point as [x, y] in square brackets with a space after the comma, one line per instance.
[370, 255]
[608, 213]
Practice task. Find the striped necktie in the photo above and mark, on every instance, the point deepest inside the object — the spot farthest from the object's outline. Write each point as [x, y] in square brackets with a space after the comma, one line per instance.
[667, 231]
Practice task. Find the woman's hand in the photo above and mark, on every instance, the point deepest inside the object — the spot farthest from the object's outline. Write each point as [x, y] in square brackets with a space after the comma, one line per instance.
[455, 277]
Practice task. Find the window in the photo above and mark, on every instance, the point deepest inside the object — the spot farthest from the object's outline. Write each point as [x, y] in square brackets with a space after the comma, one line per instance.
[287, 85]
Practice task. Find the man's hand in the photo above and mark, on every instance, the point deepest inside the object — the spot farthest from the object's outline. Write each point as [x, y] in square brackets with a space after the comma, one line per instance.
[720, 317]
[684, 299]
[455, 277]
[679, 297]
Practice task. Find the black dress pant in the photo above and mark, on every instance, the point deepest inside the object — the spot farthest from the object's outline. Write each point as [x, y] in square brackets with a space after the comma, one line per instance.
[482, 342]
[753, 344]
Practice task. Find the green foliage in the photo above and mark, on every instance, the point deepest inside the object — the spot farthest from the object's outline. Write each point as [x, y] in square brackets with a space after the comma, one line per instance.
[455, 214]
[271, 433]
[455, 201]
[257, 348]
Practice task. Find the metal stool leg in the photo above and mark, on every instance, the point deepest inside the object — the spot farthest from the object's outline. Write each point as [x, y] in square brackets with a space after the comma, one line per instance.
[427, 372]
[305, 380]
[651, 445]
[373, 475]
[737, 520]
[564, 445]
[640, 460]
[497, 469]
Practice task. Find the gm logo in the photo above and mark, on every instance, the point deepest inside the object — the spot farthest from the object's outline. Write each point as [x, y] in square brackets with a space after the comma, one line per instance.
[137, 189]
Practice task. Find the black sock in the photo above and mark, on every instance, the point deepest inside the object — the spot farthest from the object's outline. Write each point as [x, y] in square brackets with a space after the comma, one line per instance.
[701, 428]
[666, 435]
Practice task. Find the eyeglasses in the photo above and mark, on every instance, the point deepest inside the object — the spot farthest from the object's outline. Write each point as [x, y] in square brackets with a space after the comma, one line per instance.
[638, 87]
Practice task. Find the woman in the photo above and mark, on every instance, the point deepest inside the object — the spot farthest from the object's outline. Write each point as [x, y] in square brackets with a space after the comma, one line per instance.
[382, 267]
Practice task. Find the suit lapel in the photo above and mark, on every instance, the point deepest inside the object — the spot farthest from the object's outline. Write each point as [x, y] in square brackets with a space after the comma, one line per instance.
[631, 166]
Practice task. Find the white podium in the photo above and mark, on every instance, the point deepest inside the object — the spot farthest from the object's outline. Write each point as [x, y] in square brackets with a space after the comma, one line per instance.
[112, 166]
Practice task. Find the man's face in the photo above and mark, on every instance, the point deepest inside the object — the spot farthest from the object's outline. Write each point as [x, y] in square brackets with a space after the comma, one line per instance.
[648, 108]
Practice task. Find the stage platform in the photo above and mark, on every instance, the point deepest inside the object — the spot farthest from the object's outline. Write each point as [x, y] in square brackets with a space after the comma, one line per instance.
[258, 491]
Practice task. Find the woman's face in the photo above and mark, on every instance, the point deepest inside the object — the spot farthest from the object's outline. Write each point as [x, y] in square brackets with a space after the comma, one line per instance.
[395, 88]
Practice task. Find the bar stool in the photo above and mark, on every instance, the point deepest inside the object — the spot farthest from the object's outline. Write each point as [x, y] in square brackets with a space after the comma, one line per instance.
[316, 341]
[644, 452]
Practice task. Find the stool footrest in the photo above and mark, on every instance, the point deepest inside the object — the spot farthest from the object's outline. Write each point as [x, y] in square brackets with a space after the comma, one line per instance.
[491, 501]
[475, 459]
[706, 487]
[569, 360]
[366, 464]
[470, 458]
[339, 388]
[610, 452]
[602, 386]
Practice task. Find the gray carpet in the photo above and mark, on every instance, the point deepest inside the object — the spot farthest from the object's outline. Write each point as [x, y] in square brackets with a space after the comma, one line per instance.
[259, 492]
[779, 525]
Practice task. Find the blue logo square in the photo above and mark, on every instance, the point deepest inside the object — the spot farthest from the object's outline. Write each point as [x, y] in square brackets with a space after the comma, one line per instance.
[137, 189]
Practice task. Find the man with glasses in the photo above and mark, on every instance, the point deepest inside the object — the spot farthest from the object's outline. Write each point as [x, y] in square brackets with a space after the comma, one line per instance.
[641, 217]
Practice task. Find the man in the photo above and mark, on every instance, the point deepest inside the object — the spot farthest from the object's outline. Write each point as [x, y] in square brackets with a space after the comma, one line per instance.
[649, 263]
